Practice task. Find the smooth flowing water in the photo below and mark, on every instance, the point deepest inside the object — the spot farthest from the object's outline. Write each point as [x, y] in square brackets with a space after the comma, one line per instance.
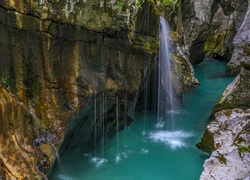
[150, 150]
[165, 89]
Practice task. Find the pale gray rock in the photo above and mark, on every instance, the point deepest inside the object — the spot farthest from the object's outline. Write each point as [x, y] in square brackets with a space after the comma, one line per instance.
[236, 94]
[241, 53]
[231, 158]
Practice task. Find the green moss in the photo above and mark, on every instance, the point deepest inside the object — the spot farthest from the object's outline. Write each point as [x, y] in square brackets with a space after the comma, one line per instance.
[214, 42]
[169, 2]
[243, 148]
[221, 158]
[7, 81]
[139, 4]
[147, 44]
[221, 105]
[155, 9]
[120, 3]
[207, 142]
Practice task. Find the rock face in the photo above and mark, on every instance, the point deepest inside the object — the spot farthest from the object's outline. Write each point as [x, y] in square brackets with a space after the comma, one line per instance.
[236, 94]
[229, 137]
[210, 26]
[241, 53]
[51, 66]
[62, 61]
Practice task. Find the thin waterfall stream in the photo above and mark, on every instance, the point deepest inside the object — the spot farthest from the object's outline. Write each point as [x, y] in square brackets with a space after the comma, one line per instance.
[165, 87]
[148, 152]
[166, 99]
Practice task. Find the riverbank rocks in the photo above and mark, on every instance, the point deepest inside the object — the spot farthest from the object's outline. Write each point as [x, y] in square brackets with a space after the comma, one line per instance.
[236, 94]
[229, 138]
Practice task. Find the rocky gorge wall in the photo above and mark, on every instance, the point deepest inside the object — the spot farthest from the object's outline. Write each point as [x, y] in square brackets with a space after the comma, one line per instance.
[227, 137]
[62, 59]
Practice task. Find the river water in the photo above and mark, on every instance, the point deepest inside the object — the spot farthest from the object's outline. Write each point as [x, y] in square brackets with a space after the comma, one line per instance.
[151, 150]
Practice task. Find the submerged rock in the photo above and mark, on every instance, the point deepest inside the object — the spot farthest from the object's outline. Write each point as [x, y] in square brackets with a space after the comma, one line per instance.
[229, 137]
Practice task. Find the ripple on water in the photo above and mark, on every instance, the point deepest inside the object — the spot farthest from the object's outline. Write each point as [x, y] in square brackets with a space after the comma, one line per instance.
[173, 139]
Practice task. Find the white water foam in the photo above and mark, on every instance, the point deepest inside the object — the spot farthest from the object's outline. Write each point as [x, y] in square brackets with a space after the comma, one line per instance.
[160, 125]
[173, 139]
[122, 155]
[173, 112]
[144, 151]
[98, 161]
[64, 177]
[117, 158]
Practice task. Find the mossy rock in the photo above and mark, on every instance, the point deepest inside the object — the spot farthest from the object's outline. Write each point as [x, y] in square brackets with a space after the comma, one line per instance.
[147, 44]
[243, 148]
[221, 158]
[207, 142]
[214, 43]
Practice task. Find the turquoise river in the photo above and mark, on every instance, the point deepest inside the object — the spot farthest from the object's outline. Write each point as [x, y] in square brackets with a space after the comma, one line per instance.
[151, 150]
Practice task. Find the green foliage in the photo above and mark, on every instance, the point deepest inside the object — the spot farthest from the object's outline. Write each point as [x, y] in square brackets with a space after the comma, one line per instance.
[243, 148]
[169, 2]
[120, 3]
[222, 159]
[7, 81]
[139, 4]
[215, 42]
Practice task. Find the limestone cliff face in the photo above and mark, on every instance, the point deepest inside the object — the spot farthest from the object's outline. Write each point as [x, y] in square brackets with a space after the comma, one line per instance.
[241, 53]
[210, 26]
[227, 138]
[62, 61]
[95, 15]
[51, 65]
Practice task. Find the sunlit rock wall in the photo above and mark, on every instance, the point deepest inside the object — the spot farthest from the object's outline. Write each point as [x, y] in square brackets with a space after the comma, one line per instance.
[51, 65]
[92, 14]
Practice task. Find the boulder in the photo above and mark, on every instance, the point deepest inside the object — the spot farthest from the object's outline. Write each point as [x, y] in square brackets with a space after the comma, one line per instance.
[236, 94]
[229, 137]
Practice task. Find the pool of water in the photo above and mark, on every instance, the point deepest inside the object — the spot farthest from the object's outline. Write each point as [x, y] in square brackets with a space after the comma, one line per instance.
[151, 149]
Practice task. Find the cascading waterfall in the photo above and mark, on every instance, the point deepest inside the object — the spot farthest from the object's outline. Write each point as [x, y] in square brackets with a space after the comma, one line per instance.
[165, 87]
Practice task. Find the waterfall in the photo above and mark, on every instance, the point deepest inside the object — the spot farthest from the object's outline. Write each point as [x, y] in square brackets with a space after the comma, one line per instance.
[95, 119]
[165, 87]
